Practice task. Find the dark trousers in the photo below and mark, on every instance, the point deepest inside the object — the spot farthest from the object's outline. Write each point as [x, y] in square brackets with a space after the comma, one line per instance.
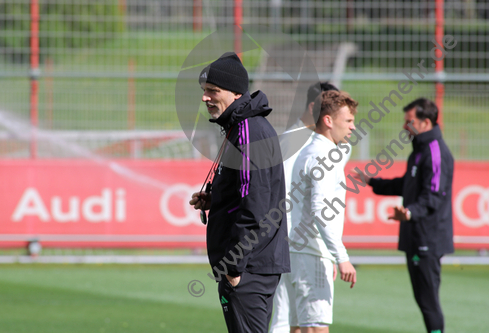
[424, 270]
[248, 306]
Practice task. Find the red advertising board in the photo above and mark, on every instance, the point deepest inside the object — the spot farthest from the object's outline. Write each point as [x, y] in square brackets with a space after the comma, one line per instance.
[80, 203]
[112, 204]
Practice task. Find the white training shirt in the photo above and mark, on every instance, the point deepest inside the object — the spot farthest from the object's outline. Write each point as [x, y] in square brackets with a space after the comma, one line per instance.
[328, 242]
[286, 146]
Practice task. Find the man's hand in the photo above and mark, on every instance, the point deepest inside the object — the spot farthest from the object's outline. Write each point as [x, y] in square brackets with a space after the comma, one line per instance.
[335, 271]
[359, 176]
[201, 200]
[348, 273]
[233, 280]
[400, 214]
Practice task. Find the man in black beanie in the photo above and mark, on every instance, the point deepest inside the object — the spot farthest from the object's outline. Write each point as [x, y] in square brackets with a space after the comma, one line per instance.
[247, 229]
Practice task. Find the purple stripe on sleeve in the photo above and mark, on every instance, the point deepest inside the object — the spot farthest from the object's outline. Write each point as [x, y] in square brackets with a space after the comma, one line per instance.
[436, 163]
[233, 209]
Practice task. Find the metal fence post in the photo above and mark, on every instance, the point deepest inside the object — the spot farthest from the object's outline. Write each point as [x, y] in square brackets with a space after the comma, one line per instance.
[34, 98]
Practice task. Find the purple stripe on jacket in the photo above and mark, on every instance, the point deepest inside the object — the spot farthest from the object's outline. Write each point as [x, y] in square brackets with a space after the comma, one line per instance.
[436, 164]
[240, 138]
[233, 209]
[247, 157]
[417, 158]
[244, 142]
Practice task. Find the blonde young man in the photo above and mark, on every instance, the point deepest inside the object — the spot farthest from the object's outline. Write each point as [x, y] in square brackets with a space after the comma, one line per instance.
[289, 143]
[318, 216]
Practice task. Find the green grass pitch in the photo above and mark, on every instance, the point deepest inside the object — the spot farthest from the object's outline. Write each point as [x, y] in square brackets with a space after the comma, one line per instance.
[154, 298]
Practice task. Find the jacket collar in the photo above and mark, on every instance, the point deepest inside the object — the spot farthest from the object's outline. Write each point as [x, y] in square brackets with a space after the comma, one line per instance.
[246, 106]
[228, 117]
[427, 137]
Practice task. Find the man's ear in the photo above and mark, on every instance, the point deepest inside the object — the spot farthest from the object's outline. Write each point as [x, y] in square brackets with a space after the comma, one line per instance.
[236, 96]
[426, 123]
[328, 121]
[310, 106]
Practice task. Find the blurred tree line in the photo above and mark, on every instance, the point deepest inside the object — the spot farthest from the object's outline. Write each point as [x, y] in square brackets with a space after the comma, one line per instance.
[63, 25]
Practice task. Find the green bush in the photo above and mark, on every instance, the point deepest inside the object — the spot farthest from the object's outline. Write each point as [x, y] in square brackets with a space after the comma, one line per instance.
[63, 24]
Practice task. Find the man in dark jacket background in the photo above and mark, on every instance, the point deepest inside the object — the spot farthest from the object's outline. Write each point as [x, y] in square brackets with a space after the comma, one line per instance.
[426, 231]
[246, 231]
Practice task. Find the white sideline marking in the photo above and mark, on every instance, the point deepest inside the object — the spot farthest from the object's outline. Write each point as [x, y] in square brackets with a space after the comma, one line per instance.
[199, 259]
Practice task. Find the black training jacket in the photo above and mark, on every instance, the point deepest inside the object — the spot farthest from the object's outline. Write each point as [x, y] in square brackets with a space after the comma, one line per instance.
[426, 189]
[248, 185]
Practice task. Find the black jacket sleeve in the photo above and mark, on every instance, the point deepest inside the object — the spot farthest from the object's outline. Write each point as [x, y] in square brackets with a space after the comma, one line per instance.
[387, 186]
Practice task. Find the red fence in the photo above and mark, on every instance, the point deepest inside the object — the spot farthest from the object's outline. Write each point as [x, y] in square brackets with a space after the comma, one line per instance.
[78, 203]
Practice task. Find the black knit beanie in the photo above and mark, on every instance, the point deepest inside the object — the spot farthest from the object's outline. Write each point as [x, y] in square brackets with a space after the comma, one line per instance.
[227, 72]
